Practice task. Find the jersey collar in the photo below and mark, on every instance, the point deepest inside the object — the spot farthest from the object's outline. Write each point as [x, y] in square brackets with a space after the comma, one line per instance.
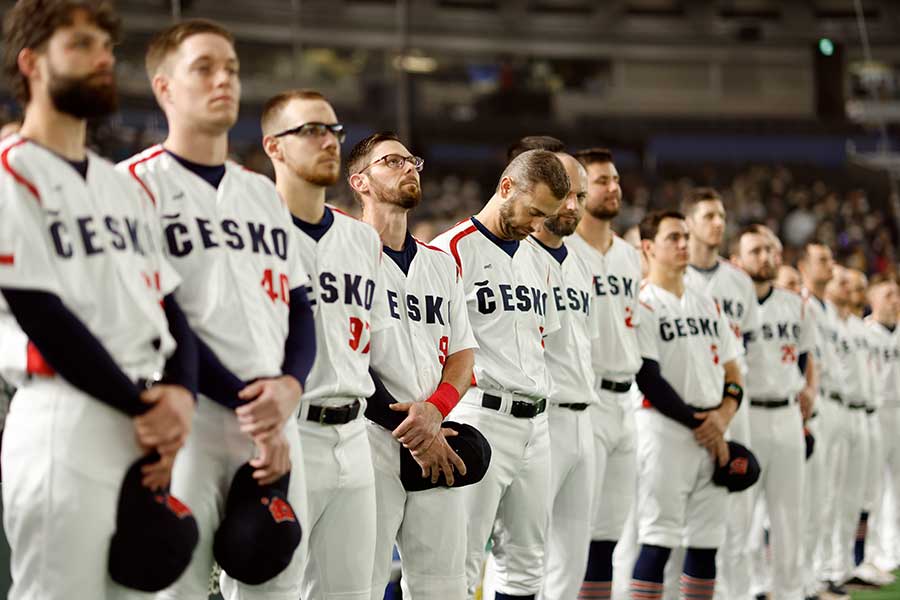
[508, 246]
[316, 230]
[767, 296]
[403, 258]
[559, 254]
[212, 175]
[708, 270]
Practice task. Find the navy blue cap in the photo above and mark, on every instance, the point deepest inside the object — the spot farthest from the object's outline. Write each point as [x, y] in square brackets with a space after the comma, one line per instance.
[260, 532]
[471, 446]
[155, 535]
[740, 472]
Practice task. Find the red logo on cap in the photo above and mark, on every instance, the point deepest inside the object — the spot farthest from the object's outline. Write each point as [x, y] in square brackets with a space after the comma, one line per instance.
[281, 511]
[178, 507]
[738, 466]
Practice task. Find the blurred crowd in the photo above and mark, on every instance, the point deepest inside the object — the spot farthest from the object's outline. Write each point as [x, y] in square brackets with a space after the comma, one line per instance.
[854, 215]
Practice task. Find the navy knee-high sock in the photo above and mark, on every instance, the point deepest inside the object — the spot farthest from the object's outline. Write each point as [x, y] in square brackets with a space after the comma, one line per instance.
[859, 548]
[698, 577]
[647, 578]
[598, 576]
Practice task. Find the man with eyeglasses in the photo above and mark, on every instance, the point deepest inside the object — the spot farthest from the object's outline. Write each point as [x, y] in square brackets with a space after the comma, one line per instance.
[507, 289]
[432, 338]
[302, 138]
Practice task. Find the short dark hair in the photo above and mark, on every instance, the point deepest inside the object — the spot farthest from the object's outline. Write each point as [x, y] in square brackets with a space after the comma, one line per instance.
[649, 225]
[880, 278]
[361, 153]
[698, 195]
[30, 23]
[170, 39]
[534, 167]
[590, 156]
[804, 250]
[274, 104]
[753, 228]
[535, 142]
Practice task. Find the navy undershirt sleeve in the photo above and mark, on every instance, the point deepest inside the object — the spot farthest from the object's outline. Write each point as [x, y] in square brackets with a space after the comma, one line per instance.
[377, 405]
[802, 361]
[215, 380]
[72, 350]
[181, 368]
[662, 396]
[300, 345]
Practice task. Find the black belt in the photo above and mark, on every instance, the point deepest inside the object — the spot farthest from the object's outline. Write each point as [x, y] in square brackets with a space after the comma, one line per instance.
[333, 415]
[856, 406]
[519, 409]
[774, 403]
[573, 406]
[615, 386]
[870, 411]
[836, 397]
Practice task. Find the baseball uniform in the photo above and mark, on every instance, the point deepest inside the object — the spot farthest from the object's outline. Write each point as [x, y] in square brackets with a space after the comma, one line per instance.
[343, 257]
[426, 303]
[572, 452]
[92, 241]
[868, 537]
[887, 390]
[232, 245]
[677, 501]
[506, 287]
[773, 381]
[733, 291]
[852, 443]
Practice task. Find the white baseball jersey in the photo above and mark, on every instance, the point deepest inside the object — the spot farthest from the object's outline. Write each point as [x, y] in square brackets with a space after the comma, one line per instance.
[733, 291]
[864, 357]
[616, 279]
[828, 366]
[786, 331]
[569, 348]
[853, 365]
[691, 340]
[233, 247]
[886, 344]
[65, 234]
[344, 264]
[427, 303]
[506, 285]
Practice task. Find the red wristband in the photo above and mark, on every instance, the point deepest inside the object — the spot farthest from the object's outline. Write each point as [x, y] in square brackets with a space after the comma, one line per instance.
[35, 363]
[444, 398]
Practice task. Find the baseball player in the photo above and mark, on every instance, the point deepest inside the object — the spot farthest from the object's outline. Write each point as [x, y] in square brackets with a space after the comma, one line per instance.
[788, 278]
[82, 272]
[732, 289]
[507, 295]
[779, 368]
[229, 237]
[302, 137]
[692, 388]
[572, 452]
[615, 268]
[431, 335]
[816, 267]
[850, 435]
[868, 537]
[884, 299]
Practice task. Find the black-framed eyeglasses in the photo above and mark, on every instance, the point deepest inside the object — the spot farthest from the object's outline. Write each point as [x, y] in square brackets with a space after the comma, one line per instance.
[316, 130]
[395, 161]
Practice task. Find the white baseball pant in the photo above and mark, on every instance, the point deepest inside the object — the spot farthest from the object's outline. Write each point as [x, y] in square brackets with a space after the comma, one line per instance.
[341, 508]
[429, 528]
[201, 478]
[815, 488]
[889, 416]
[64, 457]
[510, 505]
[874, 487]
[572, 471]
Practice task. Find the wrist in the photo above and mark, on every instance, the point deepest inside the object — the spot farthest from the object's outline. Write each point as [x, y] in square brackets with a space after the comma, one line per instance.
[444, 398]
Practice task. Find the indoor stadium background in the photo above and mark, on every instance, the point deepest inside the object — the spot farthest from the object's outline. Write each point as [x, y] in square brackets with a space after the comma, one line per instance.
[788, 107]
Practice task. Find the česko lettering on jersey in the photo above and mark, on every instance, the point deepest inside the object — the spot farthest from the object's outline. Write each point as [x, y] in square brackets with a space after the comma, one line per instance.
[234, 250]
[786, 331]
[506, 287]
[92, 242]
[428, 306]
[568, 352]
[733, 291]
[616, 278]
[690, 339]
[886, 346]
[345, 289]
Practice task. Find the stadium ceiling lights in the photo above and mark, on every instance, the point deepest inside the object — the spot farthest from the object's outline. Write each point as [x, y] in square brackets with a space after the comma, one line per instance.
[414, 63]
